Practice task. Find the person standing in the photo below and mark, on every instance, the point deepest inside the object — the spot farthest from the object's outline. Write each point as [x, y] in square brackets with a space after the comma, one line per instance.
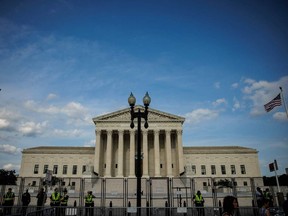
[259, 197]
[264, 210]
[230, 205]
[268, 196]
[8, 202]
[55, 201]
[26, 199]
[285, 205]
[89, 204]
[41, 200]
[64, 202]
[199, 203]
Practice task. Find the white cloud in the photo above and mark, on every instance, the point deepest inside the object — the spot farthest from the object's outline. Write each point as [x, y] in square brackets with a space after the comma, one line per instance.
[68, 133]
[4, 123]
[77, 113]
[236, 104]
[51, 96]
[32, 128]
[282, 116]
[219, 102]
[91, 143]
[10, 166]
[199, 115]
[261, 92]
[9, 149]
[235, 85]
[217, 85]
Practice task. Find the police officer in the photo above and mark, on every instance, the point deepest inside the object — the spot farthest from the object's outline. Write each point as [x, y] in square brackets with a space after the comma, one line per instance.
[64, 202]
[268, 196]
[8, 199]
[55, 201]
[199, 203]
[89, 204]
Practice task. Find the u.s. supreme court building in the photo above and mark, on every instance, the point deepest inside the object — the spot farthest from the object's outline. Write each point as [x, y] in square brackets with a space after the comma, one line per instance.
[170, 169]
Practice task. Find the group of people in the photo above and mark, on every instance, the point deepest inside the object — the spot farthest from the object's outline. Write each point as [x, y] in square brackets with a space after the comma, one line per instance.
[55, 200]
[230, 205]
[265, 201]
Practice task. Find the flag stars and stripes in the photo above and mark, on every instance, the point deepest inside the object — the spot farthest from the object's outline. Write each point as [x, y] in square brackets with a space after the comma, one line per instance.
[273, 103]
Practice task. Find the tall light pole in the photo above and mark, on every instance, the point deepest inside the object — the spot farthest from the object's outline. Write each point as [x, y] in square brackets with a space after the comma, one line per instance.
[139, 115]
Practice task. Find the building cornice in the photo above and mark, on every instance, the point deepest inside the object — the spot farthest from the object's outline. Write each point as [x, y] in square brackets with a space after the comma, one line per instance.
[218, 150]
[59, 150]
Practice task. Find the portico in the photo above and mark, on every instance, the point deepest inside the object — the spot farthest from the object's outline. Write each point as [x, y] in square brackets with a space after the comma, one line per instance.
[116, 145]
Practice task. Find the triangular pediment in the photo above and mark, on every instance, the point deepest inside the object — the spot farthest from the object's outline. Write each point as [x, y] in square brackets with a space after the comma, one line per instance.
[125, 116]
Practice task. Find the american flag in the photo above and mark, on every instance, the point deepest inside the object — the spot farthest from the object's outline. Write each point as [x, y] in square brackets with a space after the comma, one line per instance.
[273, 103]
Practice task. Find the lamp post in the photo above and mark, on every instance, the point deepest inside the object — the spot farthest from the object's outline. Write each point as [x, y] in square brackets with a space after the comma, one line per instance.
[139, 115]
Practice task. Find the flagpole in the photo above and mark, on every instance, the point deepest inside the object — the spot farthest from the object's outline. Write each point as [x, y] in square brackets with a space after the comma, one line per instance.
[282, 96]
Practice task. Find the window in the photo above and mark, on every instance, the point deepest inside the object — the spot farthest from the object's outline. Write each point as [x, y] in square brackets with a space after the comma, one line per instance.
[203, 170]
[116, 166]
[74, 170]
[84, 168]
[193, 169]
[36, 168]
[213, 170]
[65, 168]
[55, 169]
[73, 185]
[172, 166]
[243, 170]
[223, 169]
[33, 183]
[204, 184]
[161, 166]
[233, 170]
[45, 169]
[245, 183]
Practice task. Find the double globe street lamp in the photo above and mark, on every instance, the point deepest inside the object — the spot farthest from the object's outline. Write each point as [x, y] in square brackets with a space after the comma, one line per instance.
[139, 115]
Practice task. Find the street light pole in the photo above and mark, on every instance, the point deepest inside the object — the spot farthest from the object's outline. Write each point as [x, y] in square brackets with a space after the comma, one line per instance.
[139, 115]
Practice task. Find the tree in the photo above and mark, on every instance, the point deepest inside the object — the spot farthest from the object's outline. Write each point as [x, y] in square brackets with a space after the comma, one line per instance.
[224, 183]
[7, 177]
[271, 181]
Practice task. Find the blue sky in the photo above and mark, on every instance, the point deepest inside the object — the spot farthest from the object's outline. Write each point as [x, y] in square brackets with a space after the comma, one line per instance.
[216, 63]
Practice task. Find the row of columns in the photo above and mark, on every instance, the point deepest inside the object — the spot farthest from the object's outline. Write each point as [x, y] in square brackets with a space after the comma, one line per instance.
[145, 165]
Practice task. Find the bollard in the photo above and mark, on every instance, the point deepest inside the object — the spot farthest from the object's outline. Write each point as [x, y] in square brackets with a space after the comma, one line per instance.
[185, 205]
[110, 210]
[220, 207]
[167, 212]
[255, 210]
[147, 208]
[129, 205]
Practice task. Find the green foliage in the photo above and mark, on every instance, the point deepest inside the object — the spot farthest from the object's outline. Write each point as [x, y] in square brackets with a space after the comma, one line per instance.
[224, 183]
[54, 181]
[271, 181]
[7, 177]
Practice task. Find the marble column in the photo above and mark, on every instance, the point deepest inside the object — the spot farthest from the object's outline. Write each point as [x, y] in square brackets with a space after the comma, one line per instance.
[97, 152]
[132, 154]
[145, 153]
[168, 153]
[108, 154]
[156, 153]
[180, 151]
[120, 152]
